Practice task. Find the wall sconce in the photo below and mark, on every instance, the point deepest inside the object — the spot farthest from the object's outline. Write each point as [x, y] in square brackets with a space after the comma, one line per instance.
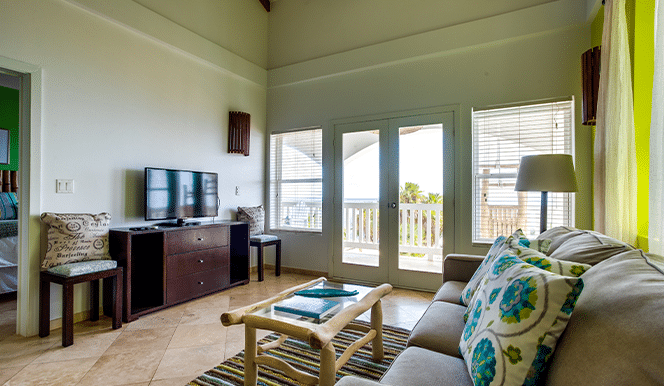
[238, 132]
[590, 65]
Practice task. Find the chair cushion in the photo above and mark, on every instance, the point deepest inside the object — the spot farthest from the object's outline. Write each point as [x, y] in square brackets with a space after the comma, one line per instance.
[439, 329]
[255, 216]
[519, 313]
[418, 366]
[263, 238]
[74, 237]
[84, 267]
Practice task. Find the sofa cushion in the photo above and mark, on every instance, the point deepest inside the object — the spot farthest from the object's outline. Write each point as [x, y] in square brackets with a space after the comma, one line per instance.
[418, 366]
[440, 328]
[557, 235]
[499, 245]
[449, 292]
[615, 335]
[589, 247]
[74, 237]
[518, 314]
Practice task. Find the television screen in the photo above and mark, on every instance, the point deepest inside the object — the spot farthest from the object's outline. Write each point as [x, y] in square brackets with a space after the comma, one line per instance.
[179, 194]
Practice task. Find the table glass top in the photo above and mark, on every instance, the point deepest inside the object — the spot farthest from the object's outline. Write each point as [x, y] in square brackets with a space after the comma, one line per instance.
[293, 318]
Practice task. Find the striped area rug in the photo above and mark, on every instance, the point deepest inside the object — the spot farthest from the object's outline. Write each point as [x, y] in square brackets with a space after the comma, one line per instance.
[299, 355]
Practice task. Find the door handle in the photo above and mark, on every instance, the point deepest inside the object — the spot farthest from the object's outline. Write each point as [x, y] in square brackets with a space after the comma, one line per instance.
[393, 205]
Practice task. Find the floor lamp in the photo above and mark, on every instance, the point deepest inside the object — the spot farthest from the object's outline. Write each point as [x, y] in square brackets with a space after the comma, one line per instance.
[546, 173]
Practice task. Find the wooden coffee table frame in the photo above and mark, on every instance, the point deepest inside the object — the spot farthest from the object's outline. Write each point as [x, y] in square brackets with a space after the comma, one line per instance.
[318, 336]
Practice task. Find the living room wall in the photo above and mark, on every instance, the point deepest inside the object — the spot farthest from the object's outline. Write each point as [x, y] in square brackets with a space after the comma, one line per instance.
[122, 94]
[519, 56]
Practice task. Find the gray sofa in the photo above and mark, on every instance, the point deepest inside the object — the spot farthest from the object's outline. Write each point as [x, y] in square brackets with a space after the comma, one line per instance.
[615, 335]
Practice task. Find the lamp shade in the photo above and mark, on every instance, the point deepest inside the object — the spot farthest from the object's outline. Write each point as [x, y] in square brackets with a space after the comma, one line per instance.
[546, 173]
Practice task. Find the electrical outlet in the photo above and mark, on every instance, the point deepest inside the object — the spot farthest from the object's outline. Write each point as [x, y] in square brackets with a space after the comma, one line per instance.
[64, 186]
[237, 190]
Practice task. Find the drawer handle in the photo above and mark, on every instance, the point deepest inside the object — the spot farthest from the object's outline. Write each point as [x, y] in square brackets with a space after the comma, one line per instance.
[200, 261]
[200, 239]
[200, 282]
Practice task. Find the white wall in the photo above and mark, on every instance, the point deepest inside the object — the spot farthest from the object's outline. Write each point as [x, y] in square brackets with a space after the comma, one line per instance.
[519, 56]
[115, 100]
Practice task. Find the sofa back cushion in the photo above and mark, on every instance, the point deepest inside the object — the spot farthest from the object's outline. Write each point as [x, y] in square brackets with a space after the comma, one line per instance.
[582, 246]
[616, 333]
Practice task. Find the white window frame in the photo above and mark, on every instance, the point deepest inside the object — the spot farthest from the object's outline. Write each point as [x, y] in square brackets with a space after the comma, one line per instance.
[308, 210]
[506, 171]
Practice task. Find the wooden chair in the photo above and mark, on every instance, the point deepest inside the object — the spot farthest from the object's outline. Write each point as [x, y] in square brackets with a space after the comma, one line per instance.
[262, 241]
[112, 299]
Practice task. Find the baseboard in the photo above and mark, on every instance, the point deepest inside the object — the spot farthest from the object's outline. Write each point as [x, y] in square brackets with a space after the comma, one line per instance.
[78, 317]
[298, 271]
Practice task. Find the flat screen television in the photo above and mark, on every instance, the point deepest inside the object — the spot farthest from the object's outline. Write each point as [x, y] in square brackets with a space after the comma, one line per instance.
[180, 194]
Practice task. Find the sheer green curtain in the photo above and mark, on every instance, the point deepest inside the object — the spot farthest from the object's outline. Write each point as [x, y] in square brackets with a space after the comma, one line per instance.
[615, 149]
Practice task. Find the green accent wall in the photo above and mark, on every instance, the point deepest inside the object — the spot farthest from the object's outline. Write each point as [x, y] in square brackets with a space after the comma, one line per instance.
[641, 24]
[9, 113]
[644, 68]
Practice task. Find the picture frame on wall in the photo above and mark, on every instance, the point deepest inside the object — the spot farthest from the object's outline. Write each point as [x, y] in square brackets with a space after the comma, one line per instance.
[4, 146]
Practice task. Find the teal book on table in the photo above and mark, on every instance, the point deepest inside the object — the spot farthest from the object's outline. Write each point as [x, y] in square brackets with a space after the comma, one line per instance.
[310, 307]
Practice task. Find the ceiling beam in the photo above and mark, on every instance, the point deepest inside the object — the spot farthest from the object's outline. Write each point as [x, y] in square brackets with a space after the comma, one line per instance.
[266, 4]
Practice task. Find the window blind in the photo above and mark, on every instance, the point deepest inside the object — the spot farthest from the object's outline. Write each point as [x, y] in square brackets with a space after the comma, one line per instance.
[296, 180]
[501, 136]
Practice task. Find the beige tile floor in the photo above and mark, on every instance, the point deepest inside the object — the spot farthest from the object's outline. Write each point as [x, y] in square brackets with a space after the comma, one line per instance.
[170, 347]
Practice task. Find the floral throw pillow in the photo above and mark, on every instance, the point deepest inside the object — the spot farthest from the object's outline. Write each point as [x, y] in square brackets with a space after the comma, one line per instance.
[519, 313]
[499, 245]
[255, 216]
[561, 267]
[74, 237]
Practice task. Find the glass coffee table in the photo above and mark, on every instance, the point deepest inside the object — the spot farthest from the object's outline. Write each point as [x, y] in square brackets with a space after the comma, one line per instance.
[317, 332]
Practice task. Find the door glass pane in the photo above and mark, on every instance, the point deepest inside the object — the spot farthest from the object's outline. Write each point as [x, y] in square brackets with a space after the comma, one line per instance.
[360, 198]
[421, 198]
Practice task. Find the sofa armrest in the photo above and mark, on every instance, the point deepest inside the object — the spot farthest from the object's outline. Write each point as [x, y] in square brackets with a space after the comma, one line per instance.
[351, 380]
[459, 267]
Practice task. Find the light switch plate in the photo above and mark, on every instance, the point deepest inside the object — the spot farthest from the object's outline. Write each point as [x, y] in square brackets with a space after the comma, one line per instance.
[64, 186]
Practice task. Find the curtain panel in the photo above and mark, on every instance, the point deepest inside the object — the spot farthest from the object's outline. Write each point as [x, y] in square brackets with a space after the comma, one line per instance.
[656, 194]
[615, 148]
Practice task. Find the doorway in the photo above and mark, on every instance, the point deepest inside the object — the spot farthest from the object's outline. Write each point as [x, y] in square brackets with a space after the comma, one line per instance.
[393, 203]
[10, 84]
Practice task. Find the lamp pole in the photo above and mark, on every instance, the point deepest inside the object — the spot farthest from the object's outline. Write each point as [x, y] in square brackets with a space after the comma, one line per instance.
[544, 204]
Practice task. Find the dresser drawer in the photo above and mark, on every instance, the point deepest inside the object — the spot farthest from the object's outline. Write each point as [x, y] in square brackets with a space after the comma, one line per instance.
[188, 240]
[197, 284]
[192, 262]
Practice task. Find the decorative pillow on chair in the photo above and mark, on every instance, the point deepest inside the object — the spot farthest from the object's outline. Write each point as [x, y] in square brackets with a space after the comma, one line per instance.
[497, 248]
[519, 313]
[74, 237]
[255, 216]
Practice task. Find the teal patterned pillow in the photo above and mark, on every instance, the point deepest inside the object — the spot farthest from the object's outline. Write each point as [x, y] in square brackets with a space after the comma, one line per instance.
[519, 313]
[561, 267]
[498, 246]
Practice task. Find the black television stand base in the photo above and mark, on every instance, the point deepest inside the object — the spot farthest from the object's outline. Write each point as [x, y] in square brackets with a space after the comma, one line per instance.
[179, 223]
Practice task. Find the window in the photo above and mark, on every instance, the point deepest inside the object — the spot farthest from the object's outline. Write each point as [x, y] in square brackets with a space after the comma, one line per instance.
[501, 136]
[296, 180]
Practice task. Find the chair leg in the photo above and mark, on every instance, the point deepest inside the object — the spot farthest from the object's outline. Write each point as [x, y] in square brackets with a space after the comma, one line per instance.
[44, 308]
[94, 300]
[67, 315]
[261, 273]
[117, 296]
[277, 265]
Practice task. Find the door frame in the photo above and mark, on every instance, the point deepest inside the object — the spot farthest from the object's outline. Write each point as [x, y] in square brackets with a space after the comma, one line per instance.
[448, 193]
[29, 248]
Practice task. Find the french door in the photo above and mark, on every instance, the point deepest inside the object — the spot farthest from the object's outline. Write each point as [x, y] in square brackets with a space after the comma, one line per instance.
[393, 202]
